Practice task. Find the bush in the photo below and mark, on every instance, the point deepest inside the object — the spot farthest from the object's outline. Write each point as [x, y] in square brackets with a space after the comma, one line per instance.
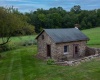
[7, 47]
[90, 51]
[30, 42]
[50, 61]
[4, 48]
[12, 46]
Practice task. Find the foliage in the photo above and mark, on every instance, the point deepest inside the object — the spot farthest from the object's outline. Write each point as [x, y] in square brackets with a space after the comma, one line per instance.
[35, 21]
[4, 48]
[9, 24]
[7, 47]
[50, 61]
[12, 24]
[29, 42]
[17, 42]
[60, 18]
[76, 9]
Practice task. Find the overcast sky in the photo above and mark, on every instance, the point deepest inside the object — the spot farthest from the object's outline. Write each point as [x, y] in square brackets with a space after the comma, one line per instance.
[32, 5]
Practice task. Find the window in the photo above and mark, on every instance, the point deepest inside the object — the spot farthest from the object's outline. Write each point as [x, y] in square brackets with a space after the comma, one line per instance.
[65, 49]
[42, 37]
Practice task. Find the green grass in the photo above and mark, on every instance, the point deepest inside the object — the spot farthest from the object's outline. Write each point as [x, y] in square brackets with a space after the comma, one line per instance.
[21, 64]
[94, 35]
[17, 42]
[22, 38]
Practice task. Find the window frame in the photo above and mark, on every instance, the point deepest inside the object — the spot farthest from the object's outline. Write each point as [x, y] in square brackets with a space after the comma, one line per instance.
[66, 49]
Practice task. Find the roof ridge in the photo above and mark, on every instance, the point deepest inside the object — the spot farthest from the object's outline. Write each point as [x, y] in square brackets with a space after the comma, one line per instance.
[61, 28]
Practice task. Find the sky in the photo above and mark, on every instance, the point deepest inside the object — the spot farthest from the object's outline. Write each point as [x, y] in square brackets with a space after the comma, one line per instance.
[33, 5]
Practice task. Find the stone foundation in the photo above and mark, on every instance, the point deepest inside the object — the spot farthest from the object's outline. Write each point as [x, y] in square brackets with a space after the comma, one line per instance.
[95, 55]
[91, 51]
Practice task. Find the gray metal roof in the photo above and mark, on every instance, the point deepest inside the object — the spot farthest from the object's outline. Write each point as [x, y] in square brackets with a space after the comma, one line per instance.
[66, 35]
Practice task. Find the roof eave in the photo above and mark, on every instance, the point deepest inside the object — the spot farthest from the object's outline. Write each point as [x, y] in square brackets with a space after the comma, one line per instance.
[72, 41]
[39, 34]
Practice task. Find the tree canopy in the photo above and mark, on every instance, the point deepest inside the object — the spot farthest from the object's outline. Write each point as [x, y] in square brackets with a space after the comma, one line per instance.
[57, 17]
[60, 18]
[11, 24]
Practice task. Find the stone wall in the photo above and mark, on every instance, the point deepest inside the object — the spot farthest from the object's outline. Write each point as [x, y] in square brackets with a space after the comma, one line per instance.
[42, 45]
[60, 50]
[90, 51]
[81, 60]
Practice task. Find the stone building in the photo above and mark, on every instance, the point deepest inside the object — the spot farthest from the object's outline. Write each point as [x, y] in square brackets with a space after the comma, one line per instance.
[68, 43]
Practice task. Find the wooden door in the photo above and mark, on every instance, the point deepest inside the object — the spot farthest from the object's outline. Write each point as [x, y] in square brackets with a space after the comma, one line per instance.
[48, 50]
[76, 51]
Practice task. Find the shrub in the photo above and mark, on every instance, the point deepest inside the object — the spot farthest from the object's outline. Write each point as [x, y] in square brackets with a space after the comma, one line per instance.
[12, 46]
[90, 51]
[29, 42]
[4, 48]
[35, 42]
[7, 47]
[50, 61]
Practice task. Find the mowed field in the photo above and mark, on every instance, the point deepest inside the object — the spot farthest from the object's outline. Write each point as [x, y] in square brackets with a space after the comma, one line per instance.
[20, 39]
[20, 64]
[94, 35]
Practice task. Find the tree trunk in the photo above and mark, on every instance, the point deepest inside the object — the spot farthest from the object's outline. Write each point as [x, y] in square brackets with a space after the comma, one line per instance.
[0, 55]
[5, 41]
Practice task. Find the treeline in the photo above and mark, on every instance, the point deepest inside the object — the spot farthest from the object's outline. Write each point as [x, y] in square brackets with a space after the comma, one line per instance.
[60, 18]
[15, 23]
[34, 21]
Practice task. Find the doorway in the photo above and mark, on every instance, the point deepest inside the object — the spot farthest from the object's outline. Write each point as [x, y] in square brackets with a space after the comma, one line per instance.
[48, 50]
[76, 51]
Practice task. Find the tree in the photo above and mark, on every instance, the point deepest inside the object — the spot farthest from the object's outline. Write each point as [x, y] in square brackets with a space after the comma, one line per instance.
[83, 25]
[89, 25]
[28, 29]
[9, 23]
[98, 17]
[60, 18]
[76, 9]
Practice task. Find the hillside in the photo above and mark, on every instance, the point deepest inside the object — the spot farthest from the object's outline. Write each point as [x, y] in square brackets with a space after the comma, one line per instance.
[20, 64]
[94, 35]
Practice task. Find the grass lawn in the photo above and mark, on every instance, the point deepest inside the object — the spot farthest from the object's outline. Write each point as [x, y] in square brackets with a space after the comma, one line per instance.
[20, 64]
[20, 40]
[94, 35]
[17, 42]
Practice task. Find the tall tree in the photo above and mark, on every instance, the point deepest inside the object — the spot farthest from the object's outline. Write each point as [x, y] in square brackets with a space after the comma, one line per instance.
[9, 23]
[76, 9]
[57, 17]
